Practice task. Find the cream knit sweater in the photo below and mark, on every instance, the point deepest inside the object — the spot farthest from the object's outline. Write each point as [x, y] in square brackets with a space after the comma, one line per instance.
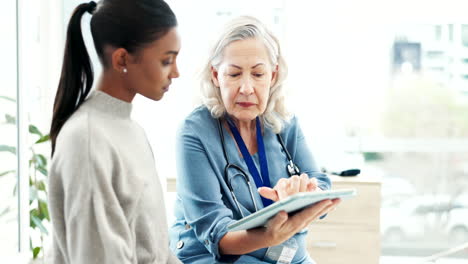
[105, 197]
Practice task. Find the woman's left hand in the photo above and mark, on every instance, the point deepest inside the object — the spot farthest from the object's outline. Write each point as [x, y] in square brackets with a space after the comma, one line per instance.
[289, 186]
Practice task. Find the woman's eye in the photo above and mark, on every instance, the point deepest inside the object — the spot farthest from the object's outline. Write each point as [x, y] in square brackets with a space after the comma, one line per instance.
[258, 74]
[234, 74]
[167, 62]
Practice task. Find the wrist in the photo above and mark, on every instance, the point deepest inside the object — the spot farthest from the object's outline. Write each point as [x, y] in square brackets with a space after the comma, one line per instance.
[265, 237]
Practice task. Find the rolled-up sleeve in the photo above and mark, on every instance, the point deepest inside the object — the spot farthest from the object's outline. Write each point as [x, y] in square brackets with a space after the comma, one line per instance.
[199, 190]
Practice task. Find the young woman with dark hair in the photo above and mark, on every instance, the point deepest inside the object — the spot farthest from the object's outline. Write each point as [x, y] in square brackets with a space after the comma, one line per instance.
[105, 198]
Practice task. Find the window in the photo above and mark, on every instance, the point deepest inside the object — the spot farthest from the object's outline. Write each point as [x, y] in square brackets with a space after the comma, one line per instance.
[9, 221]
[464, 35]
[29, 60]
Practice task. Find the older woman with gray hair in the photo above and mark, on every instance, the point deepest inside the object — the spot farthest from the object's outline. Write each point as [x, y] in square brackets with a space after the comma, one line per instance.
[239, 152]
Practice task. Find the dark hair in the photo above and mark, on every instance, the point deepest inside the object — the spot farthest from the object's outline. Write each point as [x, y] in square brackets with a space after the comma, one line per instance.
[128, 24]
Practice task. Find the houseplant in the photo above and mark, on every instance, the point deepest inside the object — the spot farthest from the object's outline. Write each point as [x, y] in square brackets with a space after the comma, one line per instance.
[38, 206]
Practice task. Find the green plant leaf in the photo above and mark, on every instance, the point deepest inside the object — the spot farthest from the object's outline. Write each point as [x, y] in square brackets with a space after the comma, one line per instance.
[34, 130]
[36, 251]
[7, 98]
[32, 212]
[40, 160]
[44, 210]
[43, 139]
[10, 119]
[42, 170]
[7, 172]
[38, 223]
[5, 148]
[41, 186]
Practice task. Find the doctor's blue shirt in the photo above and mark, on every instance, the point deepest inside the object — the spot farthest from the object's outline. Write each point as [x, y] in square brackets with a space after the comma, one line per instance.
[205, 207]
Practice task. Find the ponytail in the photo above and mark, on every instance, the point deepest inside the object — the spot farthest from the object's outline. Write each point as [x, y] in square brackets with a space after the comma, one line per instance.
[77, 75]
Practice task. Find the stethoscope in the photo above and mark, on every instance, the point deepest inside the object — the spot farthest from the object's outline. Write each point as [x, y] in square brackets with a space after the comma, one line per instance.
[291, 168]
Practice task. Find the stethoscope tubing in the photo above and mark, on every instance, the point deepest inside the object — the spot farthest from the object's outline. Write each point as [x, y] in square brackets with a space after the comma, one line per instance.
[291, 168]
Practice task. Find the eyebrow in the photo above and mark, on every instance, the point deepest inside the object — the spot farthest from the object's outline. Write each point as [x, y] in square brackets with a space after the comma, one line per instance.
[240, 68]
[172, 52]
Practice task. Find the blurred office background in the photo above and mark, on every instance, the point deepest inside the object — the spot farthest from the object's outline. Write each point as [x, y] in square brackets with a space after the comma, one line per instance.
[377, 85]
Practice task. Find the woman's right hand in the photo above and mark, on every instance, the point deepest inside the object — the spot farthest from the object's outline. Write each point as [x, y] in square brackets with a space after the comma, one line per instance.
[281, 227]
[286, 187]
[278, 229]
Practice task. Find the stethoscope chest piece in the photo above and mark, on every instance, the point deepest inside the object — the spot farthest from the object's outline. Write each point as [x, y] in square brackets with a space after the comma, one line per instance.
[292, 169]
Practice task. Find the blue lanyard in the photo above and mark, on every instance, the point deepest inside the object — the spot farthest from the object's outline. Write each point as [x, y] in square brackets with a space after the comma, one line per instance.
[260, 180]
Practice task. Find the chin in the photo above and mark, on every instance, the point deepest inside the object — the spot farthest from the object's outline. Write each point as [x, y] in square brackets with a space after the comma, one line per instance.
[154, 97]
[158, 97]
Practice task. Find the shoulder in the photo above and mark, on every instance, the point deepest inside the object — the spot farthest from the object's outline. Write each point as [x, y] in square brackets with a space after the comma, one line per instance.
[85, 153]
[83, 137]
[199, 121]
[74, 132]
[290, 128]
[72, 150]
[199, 115]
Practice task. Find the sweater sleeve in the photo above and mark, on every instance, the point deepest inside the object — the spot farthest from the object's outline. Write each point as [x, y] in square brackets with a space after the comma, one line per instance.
[200, 192]
[90, 224]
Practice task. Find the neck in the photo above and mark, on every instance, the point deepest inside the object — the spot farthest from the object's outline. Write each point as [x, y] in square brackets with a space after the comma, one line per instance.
[113, 84]
[248, 130]
[246, 126]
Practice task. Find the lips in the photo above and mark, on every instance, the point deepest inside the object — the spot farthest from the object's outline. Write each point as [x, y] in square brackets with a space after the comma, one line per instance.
[245, 104]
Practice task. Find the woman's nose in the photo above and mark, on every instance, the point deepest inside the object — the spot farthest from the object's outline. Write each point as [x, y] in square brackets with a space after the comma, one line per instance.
[175, 71]
[246, 86]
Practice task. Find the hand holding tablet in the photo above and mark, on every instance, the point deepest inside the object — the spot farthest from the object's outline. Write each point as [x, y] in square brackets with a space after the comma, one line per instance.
[291, 204]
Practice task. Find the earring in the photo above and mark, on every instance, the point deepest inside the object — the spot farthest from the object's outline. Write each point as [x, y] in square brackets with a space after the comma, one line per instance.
[124, 70]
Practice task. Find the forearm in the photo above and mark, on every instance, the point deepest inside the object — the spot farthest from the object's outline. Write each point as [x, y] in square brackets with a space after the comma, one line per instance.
[243, 242]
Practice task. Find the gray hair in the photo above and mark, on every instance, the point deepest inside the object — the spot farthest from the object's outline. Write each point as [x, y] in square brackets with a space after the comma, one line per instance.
[241, 28]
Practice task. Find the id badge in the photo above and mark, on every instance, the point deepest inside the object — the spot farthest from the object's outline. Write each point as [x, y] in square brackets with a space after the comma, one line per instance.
[283, 253]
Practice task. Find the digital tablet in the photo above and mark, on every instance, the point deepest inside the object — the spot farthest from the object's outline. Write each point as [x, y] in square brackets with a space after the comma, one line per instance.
[291, 204]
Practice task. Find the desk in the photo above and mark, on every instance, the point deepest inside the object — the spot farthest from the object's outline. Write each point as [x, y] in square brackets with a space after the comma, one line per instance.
[351, 233]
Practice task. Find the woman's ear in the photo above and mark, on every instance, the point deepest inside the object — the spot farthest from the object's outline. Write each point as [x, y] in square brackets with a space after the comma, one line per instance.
[214, 76]
[274, 76]
[120, 59]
